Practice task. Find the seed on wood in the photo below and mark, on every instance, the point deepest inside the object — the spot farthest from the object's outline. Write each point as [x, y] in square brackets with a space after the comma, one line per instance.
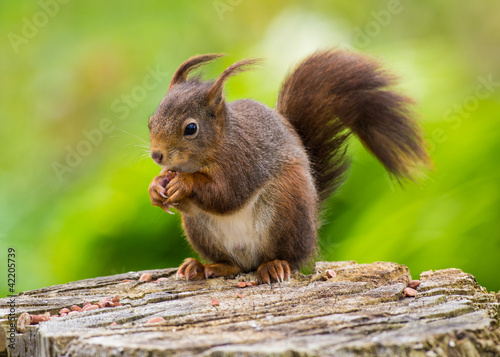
[73, 312]
[90, 307]
[155, 320]
[251, 283]
[101, 304]
[159, 280]
[241, 284]
[215, 302]
[116, 298]
[409, 292]
[239, 296]
[38, 318]
[64, 310]
[414, 284]
[331, 274]
[114, 323]
[127, 281]
[146, 277]
[86, 303]
[76, 308]
[105, 302]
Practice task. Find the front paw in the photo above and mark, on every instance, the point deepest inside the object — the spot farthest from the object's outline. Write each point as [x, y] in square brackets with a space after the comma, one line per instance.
[158, 191]
[179, 188]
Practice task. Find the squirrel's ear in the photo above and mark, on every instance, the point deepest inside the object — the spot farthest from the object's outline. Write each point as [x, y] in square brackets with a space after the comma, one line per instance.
[182, 72]
[214, 95]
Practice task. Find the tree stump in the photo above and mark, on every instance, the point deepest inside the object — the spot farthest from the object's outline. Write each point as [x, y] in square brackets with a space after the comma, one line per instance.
[343, 308]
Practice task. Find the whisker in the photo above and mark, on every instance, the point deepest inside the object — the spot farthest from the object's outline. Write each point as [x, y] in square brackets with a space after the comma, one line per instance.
[135, 136]
[147, 147]
[142, 146]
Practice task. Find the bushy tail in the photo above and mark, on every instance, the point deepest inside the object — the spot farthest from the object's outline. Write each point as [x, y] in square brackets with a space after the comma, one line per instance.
[333, 93]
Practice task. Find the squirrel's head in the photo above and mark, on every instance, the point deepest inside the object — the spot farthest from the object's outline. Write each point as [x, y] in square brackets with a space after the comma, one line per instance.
[191, 120]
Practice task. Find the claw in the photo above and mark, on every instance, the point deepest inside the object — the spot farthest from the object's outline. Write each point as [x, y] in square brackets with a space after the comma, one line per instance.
[209, 274]
[168, 210]
[161, 191]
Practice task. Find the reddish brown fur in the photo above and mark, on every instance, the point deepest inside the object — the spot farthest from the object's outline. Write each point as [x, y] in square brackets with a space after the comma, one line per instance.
[353, 95]
[295, 225]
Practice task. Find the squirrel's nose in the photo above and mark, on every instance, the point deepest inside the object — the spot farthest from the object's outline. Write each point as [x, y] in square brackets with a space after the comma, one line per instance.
[157, 156]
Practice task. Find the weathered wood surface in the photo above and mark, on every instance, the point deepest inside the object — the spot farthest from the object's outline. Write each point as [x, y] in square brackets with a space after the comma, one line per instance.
[361, 311]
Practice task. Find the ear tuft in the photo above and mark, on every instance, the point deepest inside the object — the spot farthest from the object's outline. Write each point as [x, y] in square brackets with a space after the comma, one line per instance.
[182, 72]
[215, 93]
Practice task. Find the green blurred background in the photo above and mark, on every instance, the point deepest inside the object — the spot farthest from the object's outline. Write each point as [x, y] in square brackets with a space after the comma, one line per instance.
[78, 81]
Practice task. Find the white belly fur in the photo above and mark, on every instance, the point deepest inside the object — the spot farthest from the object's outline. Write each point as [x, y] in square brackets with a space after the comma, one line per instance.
[244, 234]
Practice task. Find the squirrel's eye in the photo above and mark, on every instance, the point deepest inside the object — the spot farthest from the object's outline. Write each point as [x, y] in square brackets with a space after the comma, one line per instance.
[190, 129]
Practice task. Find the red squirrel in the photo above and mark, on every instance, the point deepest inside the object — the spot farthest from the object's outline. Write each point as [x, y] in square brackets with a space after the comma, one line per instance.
[249, 181]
